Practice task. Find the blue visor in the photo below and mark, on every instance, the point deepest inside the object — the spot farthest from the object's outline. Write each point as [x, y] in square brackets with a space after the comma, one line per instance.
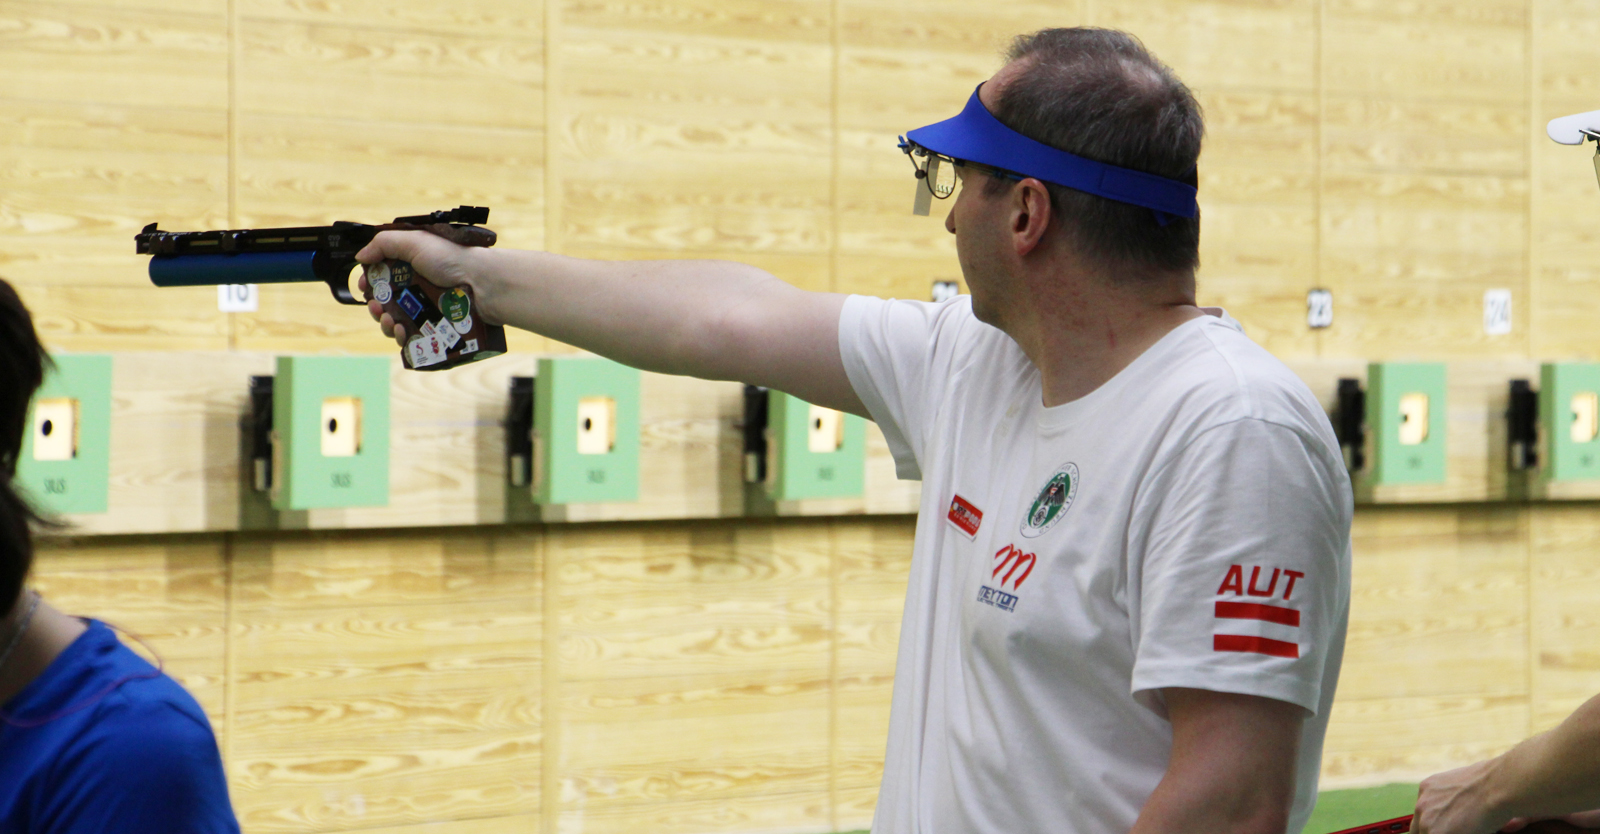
[977, 136]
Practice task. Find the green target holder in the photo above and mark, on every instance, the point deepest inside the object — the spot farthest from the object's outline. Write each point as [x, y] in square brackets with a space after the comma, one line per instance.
[65, 465]
[1407, 417]
[816, 452]
[330, 437]
[585, 431]
[1569, 414]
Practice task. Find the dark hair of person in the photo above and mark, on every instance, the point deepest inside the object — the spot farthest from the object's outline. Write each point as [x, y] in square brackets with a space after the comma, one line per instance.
[22, 365]
[1099, 94]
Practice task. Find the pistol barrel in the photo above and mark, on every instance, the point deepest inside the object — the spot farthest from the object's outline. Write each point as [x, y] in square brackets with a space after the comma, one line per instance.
[249, 268]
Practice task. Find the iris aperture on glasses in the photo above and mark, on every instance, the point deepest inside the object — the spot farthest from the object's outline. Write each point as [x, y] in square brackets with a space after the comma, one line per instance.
[936, 174]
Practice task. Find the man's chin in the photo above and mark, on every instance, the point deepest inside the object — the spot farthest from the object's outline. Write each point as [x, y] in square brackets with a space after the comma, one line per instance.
[983, 313]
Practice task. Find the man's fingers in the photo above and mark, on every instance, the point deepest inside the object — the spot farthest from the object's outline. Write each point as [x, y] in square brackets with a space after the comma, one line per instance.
[398, 245]
[375, 309]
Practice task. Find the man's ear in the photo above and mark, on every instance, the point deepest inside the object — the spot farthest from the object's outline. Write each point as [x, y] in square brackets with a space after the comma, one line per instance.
[1030, 215]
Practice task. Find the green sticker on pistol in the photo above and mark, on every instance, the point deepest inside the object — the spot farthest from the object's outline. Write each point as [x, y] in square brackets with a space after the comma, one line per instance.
[456, 307]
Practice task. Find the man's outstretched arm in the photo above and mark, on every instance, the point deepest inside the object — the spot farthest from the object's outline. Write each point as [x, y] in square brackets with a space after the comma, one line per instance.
[1232, 769]
[1554, 774]
[710, 319]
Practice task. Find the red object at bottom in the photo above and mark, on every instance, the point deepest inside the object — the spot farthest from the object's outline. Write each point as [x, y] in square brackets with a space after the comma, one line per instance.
[1400, 825]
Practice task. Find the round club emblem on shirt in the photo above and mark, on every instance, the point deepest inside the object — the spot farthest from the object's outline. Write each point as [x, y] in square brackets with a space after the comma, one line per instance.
[1052, 501]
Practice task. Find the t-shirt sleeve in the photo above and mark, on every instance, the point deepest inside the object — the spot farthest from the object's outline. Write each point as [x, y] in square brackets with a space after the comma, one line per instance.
[899, 356]
[141, 769]
[1243, 585]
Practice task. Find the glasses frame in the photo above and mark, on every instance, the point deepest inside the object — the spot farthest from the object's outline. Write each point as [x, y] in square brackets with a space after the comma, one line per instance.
[914, 151]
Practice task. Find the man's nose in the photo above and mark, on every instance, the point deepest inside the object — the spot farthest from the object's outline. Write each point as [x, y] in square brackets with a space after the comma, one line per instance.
[950, 221]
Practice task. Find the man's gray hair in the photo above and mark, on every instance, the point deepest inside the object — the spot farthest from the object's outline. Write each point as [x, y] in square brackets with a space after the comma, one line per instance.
[1100, 94]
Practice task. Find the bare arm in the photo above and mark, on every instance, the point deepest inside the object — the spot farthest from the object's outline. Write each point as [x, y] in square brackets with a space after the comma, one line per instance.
[710, 319]
[1232, 769]
[1554, 774]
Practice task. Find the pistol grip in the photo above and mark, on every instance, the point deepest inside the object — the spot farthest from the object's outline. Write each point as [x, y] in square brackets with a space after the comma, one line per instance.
[442, 324]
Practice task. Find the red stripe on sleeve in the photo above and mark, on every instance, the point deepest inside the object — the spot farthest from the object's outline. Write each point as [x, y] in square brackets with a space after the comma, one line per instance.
[1259, 645]
[1257, 611]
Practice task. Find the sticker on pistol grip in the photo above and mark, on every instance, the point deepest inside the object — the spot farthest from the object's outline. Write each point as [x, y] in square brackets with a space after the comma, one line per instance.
[424, 351]
[378, 282]
[400, 271]
[409, 303]
[447, 333]
[457, 308]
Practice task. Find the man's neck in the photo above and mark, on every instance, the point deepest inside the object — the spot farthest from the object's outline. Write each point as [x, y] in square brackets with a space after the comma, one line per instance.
[1082, 331]
[48, 635]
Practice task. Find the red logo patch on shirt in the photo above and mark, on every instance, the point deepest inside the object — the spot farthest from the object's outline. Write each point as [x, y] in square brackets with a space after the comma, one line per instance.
[965, 516]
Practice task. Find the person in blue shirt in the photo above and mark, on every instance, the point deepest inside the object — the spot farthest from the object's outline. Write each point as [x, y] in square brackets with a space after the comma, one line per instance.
[92, 738]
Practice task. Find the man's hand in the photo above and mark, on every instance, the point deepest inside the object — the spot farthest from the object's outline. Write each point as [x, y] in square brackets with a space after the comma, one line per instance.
[1458, 802]
[1554, 775]
[438, 261]
[1232, 769]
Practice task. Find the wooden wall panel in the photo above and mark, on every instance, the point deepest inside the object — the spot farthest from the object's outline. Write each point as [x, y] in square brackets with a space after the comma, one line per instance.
[1259, 213]
[113, 116]
[131, 54]
[694, 674]
[1436, 660]
[1566, 301]
[871, 562]
[1409, 226]
[691, 125]
[386, 678]
[1563, 583]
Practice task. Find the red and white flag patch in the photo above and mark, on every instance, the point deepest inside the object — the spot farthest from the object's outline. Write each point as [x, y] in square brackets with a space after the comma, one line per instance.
[1270, 628]
[965, 516]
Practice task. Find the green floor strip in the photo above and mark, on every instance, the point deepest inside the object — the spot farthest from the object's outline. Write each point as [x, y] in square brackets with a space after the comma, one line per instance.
[1338, 810]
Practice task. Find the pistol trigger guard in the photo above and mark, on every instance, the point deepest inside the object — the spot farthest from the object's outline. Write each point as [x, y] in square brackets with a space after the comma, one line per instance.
[341, 291]
[334, 270]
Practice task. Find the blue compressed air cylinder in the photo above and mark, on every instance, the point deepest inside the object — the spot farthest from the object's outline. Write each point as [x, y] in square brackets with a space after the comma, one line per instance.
[247, 268]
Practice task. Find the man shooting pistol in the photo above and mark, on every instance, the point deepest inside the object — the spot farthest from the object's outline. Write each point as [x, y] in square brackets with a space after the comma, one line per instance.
[445, 331]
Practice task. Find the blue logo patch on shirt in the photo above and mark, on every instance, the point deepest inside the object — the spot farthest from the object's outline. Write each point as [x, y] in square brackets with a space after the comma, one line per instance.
[997, 598]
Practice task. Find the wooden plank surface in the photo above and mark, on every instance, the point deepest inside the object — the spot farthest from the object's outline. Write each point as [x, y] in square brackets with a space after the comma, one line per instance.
[1248, 45]
[1437, 603]
[1565, 198]
[871, 564]
[1563, 581]
[670, 636]
[386, 678]
[1436, 659]
[1412, 223]
[1259, 213]
[692, 125]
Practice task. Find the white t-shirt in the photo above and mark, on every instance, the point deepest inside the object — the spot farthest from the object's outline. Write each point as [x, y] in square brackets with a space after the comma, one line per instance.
[1187, 524]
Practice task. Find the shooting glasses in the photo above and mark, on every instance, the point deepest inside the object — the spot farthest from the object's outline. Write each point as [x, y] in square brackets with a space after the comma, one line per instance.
[1577, 129]
[976, 139]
